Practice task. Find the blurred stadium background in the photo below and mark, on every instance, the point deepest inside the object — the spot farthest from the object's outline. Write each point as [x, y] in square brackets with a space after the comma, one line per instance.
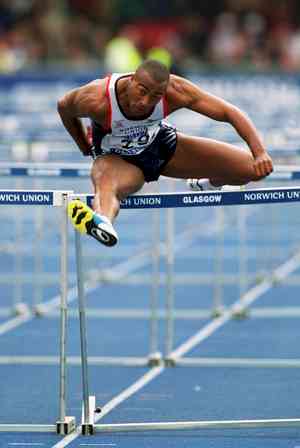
[76, 34]
[246, 51]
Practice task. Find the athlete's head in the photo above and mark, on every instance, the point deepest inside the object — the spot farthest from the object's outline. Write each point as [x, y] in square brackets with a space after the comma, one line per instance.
[147, 86]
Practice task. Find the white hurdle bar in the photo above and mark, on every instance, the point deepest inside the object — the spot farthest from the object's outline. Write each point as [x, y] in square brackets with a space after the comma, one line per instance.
[177, 200]
[51, 198]
[192, 425]
[207, 198]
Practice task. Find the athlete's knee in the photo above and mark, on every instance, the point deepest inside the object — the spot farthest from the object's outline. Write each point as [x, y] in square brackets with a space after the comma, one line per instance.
[100, 165]
[119, 178]
[102, 171]
[256, 177]
[246, 179]
[249, 174]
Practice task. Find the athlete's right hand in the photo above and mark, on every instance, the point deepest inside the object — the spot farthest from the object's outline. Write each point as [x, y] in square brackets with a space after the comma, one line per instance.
[263, 165]
[87, 151]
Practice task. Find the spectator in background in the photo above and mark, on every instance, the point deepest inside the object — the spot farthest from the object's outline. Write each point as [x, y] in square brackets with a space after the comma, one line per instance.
[14, 34]
[227, 44]
[195, 33]
[160, 54]
[156, 39]
[250, 33]
[122, 52]
[255, 30]
[291, 53]
[100, 13]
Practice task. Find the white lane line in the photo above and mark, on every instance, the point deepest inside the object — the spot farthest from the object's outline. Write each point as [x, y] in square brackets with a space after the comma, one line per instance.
[97, 444]
[200, 336]
[25, 444]
[15, 322]
[90, 286]
[240, 305]
[281, 272]
[131, 390]
[122, 269]
[139, 384]
[116, 272]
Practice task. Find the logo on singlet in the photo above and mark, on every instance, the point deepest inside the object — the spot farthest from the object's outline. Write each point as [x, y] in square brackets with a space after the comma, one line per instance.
[119, 124]
[138, 137]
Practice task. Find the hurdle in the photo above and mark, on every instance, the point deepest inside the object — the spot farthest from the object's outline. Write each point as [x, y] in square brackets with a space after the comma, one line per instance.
[37, 171]
[49, 198]
[81, 170]
[172, 357]
[168, 200]
[73, 170]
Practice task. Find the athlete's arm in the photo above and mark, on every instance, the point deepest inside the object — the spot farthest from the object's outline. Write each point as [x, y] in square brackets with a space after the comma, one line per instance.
[86, 101]
[183, 93]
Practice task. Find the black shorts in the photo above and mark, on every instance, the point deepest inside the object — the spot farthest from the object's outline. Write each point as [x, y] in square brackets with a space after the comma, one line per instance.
[154, 158]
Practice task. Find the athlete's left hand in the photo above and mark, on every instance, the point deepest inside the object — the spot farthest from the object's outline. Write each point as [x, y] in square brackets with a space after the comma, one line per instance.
[263, 165]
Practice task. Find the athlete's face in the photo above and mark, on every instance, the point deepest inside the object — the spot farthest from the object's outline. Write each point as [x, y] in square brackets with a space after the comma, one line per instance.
[144, 93]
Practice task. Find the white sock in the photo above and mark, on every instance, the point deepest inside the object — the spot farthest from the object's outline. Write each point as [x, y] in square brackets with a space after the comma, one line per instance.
[103, 218]
[207, 183]
[202, 184]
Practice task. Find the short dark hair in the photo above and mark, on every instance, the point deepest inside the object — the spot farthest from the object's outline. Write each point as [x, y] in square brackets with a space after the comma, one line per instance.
[158, 71]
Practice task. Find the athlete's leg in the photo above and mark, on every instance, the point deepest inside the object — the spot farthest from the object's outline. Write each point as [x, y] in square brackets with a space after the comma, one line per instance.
[222, 163]
[113, 179]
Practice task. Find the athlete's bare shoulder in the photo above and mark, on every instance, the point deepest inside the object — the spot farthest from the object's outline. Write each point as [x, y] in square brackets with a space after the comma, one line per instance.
[180, 93]
[88, 100]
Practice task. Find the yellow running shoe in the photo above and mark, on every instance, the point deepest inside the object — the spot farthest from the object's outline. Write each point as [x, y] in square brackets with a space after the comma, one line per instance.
[85, 220]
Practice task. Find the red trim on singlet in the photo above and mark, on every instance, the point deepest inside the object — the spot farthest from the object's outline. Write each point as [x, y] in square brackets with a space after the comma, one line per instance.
[165, 107]
[109, 115]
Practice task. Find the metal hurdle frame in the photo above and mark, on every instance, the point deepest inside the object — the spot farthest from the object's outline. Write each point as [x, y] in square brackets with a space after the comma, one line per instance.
[52, 198]
[149, 201]
[170, 201]
[79, 170]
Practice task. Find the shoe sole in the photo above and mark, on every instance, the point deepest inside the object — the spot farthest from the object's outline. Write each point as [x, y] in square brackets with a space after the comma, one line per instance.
[80, 214]
[101, 235]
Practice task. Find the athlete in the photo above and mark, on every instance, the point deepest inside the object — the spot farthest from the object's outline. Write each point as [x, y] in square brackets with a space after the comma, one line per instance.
[132, 143]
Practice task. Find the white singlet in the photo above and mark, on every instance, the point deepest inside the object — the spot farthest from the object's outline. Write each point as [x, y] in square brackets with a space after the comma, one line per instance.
[125, 136]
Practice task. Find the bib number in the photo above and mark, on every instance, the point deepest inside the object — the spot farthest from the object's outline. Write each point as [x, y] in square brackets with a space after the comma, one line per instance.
[131, 142]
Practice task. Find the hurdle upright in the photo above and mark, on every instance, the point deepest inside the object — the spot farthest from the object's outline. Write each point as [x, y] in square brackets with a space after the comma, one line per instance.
[50, 198]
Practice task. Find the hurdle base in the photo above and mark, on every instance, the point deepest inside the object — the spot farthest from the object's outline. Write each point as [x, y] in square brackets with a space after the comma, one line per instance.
[66, 427]
[155, 359]
[87, 427]
[241, 314]
[20, 309]
[169, 361]
[39, 310]
[217, 312]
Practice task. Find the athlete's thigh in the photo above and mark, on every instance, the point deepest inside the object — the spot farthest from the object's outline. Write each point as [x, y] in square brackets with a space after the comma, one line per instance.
[203, 157]
[123, 177]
